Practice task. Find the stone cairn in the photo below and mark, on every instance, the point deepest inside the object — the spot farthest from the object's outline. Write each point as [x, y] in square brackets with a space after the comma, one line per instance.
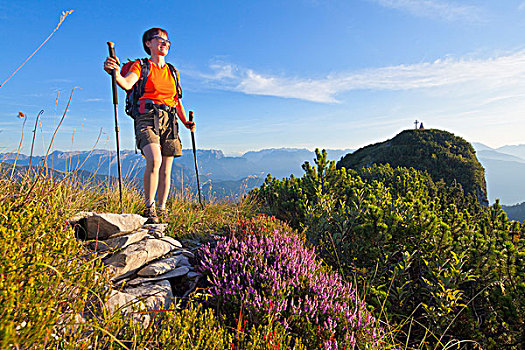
[149, 269]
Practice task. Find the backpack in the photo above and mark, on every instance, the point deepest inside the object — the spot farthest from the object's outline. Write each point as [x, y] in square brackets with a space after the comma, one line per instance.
[133, 94]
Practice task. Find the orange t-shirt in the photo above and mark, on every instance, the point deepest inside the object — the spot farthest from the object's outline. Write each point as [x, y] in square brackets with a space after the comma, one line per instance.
[160, 85]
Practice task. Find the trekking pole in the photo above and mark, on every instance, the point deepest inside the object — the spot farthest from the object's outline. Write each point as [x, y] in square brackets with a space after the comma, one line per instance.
[111, 47]
[195, 159]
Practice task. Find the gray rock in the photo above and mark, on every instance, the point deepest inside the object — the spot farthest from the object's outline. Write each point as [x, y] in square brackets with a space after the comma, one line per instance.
[104, 225]
[137, 255]
[185, 252]
[171, 240]
[178, 272]
[162, 266]
[184, 261]
[156, 230]
[82, 215]
[118, 242]
[78, 223]
[120, 234]
[194, 275]
[157, 227]
[148, 297]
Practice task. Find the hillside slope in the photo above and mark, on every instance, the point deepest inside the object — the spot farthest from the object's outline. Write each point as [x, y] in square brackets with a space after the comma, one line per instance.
[442, 154]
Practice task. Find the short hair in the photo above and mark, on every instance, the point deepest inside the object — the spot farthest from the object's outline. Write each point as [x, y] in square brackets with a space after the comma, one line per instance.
[149, 34]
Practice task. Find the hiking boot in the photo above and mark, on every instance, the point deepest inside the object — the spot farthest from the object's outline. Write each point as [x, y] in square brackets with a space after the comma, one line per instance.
[163, 214]
[151, 214]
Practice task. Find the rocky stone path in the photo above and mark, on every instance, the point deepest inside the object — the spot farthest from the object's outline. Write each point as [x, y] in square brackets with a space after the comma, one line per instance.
[149, 268]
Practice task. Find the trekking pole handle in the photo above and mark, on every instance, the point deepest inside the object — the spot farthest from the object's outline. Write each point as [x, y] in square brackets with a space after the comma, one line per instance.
[111, 47]
[191, 116]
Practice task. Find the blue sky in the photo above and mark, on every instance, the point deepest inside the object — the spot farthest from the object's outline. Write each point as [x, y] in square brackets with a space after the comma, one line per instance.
[270, 74]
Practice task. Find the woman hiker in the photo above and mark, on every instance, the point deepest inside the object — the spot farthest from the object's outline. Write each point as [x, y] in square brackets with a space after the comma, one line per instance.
[156, 128]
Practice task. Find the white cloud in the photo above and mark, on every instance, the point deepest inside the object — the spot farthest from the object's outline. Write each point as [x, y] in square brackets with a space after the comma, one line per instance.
[480, 74]
[521, 6]
[226, 76]
[310, 90]
[435, 9]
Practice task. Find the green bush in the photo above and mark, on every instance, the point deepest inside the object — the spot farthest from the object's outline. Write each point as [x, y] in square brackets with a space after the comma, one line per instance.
[46, 281]
[443, 155]
[439, 265]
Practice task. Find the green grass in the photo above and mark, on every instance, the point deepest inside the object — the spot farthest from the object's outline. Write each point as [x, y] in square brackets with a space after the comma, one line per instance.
[52, 291]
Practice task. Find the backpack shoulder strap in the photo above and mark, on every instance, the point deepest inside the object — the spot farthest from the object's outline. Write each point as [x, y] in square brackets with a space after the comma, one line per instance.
[176, 76]
[144, 72]
[136, 92]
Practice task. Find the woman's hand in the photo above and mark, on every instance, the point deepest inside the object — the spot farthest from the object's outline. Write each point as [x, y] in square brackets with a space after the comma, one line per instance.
[191, 125]
[126, 82]
[112, 63]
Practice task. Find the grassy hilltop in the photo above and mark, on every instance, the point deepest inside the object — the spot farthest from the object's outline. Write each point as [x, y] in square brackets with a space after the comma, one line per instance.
[381, 257]
[442, 154]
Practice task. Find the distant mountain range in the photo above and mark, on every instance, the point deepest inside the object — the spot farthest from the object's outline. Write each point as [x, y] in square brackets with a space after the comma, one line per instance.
[82, 176]
[220, 176]
[504, 172]
[224, 176]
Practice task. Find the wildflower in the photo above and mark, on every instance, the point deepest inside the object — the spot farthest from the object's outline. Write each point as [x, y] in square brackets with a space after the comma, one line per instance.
[278, 275]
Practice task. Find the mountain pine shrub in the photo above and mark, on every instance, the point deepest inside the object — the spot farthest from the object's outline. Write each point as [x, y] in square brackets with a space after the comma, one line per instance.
[443, 155]
[442, 268]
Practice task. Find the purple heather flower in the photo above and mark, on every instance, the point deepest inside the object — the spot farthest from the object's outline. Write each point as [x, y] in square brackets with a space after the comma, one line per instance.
[277, 274]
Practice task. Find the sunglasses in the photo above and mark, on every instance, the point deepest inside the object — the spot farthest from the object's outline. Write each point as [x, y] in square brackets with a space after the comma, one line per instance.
[161, 40]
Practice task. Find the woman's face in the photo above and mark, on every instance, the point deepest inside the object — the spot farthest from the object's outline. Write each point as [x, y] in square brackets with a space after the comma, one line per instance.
[159, 44]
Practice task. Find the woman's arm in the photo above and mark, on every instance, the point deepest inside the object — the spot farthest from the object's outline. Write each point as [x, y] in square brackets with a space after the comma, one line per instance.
[126, 82]
[182, 116]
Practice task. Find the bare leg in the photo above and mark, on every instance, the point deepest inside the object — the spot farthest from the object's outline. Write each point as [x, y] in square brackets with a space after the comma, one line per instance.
[164, 180]
[151, 173]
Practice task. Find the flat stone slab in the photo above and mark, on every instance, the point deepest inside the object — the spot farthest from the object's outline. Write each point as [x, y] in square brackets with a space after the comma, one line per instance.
[118, 242]
[178, 272]
[184, 261]
[137, 255]
[171, 240]
[185, 252]
[104, 225]
[193, 275]
[162, 266]
[156, 230]
[147, 297]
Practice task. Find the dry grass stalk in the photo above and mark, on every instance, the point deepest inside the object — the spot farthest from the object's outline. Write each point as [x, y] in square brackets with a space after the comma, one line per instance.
[62, 18]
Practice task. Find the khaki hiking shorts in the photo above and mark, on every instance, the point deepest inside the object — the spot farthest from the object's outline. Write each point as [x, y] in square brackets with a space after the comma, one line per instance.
[167, 136]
